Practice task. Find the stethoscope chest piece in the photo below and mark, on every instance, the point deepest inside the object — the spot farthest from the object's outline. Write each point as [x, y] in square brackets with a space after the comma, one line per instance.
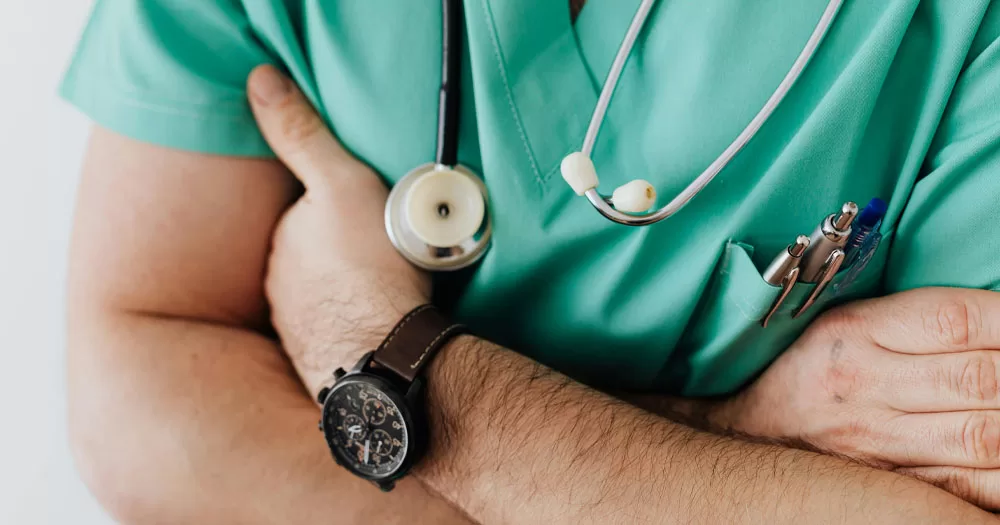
[436, 217]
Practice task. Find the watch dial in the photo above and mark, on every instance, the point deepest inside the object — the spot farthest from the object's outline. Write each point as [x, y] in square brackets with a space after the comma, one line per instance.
[369, 433]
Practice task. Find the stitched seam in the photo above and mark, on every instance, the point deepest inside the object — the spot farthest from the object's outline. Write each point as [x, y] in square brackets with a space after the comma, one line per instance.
[402, 323]
[495, 40]
[178, 112]
[431, 345]
[233, 107]
[558, 167]
[743, 305]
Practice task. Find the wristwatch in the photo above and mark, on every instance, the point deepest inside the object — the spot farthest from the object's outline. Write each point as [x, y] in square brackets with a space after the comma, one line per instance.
[374, 418]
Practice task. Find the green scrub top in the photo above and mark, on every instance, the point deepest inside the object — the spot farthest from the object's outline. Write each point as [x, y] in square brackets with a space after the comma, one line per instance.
[901, 102]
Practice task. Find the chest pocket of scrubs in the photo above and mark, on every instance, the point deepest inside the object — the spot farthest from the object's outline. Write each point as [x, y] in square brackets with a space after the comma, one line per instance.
[725, 342]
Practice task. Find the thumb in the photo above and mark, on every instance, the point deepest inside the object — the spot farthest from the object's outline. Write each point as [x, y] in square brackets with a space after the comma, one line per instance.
[295, 132]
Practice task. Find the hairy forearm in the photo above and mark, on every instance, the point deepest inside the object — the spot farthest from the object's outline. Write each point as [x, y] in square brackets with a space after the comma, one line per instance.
[176, 421]
[514, 442]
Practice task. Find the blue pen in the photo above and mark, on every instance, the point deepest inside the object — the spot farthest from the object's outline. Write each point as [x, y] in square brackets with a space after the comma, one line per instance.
[863, 243]
[867, 222]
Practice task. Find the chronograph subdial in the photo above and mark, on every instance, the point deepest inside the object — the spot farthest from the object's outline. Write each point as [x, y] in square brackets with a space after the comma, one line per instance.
[382, 443]
[374, 411]
[375, 448]
[354, 427]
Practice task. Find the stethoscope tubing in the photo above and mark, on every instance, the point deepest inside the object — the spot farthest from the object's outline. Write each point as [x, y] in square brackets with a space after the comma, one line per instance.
[600, 202]
[415, 244]
[450, 93]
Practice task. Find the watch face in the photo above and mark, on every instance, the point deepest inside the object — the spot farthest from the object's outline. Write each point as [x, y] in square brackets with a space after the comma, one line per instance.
[365, 429]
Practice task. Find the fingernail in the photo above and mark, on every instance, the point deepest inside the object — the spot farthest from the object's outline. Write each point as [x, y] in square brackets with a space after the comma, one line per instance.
[268, 85]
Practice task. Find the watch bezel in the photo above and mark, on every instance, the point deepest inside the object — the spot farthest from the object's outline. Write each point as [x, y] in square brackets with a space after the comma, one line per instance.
[409, 409]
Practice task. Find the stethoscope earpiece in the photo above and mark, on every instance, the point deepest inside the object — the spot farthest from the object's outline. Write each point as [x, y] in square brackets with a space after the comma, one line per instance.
[630, 203]
[637, 196]
[579, 172]
[436, 217]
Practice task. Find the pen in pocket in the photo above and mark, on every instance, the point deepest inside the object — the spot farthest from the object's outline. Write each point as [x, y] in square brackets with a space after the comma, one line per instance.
[784, 272]
[863, 244]
[867, 222]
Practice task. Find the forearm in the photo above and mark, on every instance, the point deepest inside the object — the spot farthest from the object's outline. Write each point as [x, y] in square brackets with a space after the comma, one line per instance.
[185, 422]
[514, 442]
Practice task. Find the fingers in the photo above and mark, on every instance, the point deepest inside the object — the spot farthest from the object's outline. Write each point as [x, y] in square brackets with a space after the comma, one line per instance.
[980, 487]
[294, 130]
[941, 382]
[961, 439]
[930, 320]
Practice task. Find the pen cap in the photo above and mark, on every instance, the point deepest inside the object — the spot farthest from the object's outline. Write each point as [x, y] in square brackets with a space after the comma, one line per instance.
[873, 213]
[801, 243]
[842, 221]
[832, 234]
[788, 259]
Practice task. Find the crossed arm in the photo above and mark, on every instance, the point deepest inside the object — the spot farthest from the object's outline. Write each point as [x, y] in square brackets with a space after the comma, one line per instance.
[182, 411]
[535, 447]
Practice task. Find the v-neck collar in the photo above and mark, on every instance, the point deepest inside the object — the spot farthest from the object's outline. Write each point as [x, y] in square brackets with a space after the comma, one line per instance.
[550, 86]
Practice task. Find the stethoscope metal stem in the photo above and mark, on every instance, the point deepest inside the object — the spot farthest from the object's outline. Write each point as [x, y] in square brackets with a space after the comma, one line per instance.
[603, 205]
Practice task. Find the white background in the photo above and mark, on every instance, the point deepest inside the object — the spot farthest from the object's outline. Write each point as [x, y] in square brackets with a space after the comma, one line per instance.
[41, 142]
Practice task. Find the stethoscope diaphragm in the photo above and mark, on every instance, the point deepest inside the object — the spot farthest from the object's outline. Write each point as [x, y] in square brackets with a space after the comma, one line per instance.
[436, 217]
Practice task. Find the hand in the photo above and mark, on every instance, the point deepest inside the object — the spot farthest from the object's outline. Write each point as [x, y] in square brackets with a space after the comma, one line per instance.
[335, 283]
[907, 382]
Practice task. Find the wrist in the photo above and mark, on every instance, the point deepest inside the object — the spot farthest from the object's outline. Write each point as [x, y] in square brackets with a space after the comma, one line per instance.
[340, 332]
[456, 383]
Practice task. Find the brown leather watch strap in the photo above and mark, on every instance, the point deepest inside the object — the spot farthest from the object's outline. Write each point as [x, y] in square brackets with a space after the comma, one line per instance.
[414, 341]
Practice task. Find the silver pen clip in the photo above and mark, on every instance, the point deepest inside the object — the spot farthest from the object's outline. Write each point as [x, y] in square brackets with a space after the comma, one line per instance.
[786, 288]
[829, 271]
[784, 271]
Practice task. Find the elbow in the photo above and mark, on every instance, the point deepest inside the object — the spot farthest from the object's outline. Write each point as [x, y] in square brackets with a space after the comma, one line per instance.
[109, 431]
[104, 457]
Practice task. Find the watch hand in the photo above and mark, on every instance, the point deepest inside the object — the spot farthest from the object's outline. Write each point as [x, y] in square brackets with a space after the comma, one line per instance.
[367, 442]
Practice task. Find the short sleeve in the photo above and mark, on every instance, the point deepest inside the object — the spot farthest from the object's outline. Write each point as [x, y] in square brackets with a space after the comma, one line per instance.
[169, 72]
[949, 234]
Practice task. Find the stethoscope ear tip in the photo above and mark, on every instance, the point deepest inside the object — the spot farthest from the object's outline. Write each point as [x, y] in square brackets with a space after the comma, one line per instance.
[579, 172]
[637, 196]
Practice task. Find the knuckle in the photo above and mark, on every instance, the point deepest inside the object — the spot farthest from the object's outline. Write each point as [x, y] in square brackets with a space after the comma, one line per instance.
[976, 379]
[959, 484]
[843, 374]
[980, 438]
[955, 323]
[848, 438]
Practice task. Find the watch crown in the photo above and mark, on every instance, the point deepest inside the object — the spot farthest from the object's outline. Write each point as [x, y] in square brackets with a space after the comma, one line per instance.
[339, 373]
[386, 486]
[323, 394]
[320, 425]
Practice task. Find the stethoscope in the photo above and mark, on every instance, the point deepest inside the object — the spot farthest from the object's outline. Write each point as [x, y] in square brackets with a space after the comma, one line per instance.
[437, 215]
